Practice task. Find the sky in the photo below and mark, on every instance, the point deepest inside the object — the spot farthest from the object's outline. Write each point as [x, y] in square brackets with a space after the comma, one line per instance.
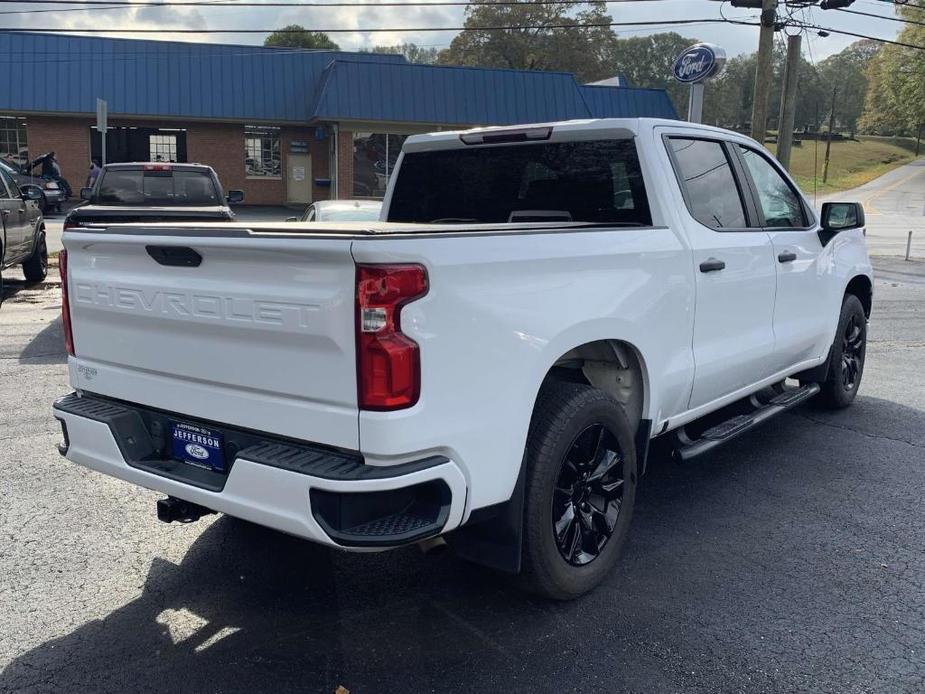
[734, 39]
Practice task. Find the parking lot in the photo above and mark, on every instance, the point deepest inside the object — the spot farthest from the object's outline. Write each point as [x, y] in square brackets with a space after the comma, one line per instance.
[790, 560]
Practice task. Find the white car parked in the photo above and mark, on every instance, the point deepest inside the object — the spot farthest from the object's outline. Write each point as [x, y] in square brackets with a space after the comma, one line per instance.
[340, 211]
[489, 364]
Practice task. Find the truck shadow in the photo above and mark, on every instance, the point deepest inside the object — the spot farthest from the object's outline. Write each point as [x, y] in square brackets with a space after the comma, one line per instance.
[248, 609]
[47, 347]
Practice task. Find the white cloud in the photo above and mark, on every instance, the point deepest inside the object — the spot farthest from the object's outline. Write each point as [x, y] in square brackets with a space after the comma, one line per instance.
[735, 39]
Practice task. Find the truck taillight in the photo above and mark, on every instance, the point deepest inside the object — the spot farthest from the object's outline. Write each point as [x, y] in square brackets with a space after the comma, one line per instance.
[65, 305]
[388, 361]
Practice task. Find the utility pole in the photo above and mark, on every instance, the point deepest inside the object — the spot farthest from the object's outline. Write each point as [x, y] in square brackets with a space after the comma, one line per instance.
[788, 102]
[828, 142]
[918, 139]
[763, 70]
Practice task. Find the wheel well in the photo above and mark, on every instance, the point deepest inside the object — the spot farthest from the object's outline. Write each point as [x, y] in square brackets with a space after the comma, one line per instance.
[614, 366]
[860, 286]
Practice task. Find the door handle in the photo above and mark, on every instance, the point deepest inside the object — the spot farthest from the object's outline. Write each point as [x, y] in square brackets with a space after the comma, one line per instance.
[6, 213]
[786, 257]
[712, 265]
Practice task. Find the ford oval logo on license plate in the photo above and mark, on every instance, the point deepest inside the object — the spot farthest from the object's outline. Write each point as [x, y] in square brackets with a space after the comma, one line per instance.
[198, 446]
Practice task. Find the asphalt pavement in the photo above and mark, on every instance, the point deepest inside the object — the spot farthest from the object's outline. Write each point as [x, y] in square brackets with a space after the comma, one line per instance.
[790, 560]
[894, 205]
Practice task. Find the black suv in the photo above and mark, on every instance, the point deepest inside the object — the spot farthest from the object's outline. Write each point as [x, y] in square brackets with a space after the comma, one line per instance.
[154, 192]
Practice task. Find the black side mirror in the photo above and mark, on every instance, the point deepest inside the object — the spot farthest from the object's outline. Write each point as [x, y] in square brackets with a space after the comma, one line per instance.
[86, 193]
[840, 216]
[31, 193]
[235, 196]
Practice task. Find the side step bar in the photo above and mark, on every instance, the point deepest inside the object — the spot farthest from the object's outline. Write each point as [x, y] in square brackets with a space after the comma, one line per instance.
[687, 448]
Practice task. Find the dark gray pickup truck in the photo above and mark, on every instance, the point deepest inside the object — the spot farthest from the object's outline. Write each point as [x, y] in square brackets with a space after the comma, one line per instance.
[154, 192]
[22, 231]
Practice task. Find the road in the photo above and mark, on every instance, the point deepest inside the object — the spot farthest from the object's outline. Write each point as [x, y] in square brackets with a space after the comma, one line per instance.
[791, 560]
[894, 205]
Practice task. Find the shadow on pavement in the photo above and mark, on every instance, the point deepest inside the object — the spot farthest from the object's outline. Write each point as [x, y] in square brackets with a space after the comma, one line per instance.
[47, 347]
[742, 573]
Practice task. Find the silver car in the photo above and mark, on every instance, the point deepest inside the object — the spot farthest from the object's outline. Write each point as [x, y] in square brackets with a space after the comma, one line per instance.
[340, 211]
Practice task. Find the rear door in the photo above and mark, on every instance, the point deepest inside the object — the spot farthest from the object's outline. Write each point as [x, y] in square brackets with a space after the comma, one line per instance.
[733, 264]
[801, 330]
[16, 225]
[220, 324]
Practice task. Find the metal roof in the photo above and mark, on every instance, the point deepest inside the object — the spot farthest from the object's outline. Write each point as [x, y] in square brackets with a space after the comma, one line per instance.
[438, 94]
[253, 83]
[625, 102]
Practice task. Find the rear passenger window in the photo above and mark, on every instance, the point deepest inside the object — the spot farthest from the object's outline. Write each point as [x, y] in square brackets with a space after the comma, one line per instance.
[710, 188]
[779, 202]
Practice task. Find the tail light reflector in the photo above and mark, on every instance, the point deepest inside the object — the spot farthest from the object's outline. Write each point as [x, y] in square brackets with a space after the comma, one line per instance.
[65, 304]
[388, 361]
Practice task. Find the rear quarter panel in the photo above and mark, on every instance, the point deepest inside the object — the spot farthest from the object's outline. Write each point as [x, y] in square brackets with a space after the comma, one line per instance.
[500, 310]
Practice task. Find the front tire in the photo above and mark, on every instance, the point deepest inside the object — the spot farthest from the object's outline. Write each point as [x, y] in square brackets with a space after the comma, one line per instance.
[580, 490]
[846, 360]
[36, 267]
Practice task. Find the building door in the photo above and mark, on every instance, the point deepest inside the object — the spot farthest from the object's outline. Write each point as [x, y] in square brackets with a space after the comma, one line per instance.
[299, 178]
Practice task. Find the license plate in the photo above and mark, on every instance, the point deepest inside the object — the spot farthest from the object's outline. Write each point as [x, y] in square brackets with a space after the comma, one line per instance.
[198, 446]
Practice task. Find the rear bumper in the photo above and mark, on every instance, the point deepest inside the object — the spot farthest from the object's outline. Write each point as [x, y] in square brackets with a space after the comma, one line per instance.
[321, 495]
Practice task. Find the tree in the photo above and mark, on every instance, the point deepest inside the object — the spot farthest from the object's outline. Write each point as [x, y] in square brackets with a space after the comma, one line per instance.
[895, 103]
[580, 49]
[848, 70]
[296, 36]
[647, 61]
[412, 52]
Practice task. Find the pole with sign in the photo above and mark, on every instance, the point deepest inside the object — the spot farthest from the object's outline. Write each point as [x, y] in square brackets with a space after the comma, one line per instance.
[695, 66]
[101, 116]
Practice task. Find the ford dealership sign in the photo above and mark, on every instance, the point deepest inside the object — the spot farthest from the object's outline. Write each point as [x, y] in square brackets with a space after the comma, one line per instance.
[699, 63]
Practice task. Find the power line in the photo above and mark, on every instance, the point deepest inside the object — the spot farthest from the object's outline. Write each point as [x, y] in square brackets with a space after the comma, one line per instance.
[903, 44]
[376, 30]
[310, 3]
[880, 16]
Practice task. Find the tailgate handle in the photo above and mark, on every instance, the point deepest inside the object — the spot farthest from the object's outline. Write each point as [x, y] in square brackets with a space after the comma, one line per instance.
[177, 256]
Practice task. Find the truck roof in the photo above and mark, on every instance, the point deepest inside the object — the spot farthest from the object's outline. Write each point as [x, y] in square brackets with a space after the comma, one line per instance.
[557, 130]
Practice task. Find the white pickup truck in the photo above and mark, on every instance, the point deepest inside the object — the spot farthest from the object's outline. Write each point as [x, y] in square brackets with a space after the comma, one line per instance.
[488, 363]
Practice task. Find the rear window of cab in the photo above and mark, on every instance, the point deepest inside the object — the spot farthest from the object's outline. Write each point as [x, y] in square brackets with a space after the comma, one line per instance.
[597, 181]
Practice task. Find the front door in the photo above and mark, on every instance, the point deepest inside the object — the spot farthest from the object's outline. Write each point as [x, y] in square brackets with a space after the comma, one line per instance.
[15, 220]
[299, 179]
[733, 267]
[799, 331]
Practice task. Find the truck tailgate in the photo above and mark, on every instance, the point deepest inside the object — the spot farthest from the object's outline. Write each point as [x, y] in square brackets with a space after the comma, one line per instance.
[259, 333]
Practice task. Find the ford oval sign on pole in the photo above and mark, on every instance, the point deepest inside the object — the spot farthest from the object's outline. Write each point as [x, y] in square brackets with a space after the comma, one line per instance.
[695, 66]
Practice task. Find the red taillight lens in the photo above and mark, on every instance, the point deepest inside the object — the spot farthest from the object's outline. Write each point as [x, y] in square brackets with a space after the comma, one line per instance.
[388, 362]
[65, 304]
[69, 224]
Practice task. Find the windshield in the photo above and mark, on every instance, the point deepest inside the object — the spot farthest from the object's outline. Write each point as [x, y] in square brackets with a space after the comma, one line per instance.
[157, 187]
[593, 181]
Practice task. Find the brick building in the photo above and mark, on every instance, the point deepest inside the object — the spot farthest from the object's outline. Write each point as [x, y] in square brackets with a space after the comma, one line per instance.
[283, 125]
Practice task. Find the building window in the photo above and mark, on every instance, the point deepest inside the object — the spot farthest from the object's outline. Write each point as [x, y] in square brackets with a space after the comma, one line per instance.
[261, 151]
[13, 145]
[374, 157]
[162, 147]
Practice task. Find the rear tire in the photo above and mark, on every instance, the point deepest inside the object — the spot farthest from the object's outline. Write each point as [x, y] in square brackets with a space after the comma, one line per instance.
[36, 267]
[580, 490]
[846, 358]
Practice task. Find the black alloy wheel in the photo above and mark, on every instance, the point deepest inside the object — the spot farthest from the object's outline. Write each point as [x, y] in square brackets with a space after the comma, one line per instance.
[846, 356]
[852, 353]
[579, 489]
[588, 495]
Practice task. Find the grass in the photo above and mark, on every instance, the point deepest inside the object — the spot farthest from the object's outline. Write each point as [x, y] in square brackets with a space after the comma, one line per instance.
[852, 162]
